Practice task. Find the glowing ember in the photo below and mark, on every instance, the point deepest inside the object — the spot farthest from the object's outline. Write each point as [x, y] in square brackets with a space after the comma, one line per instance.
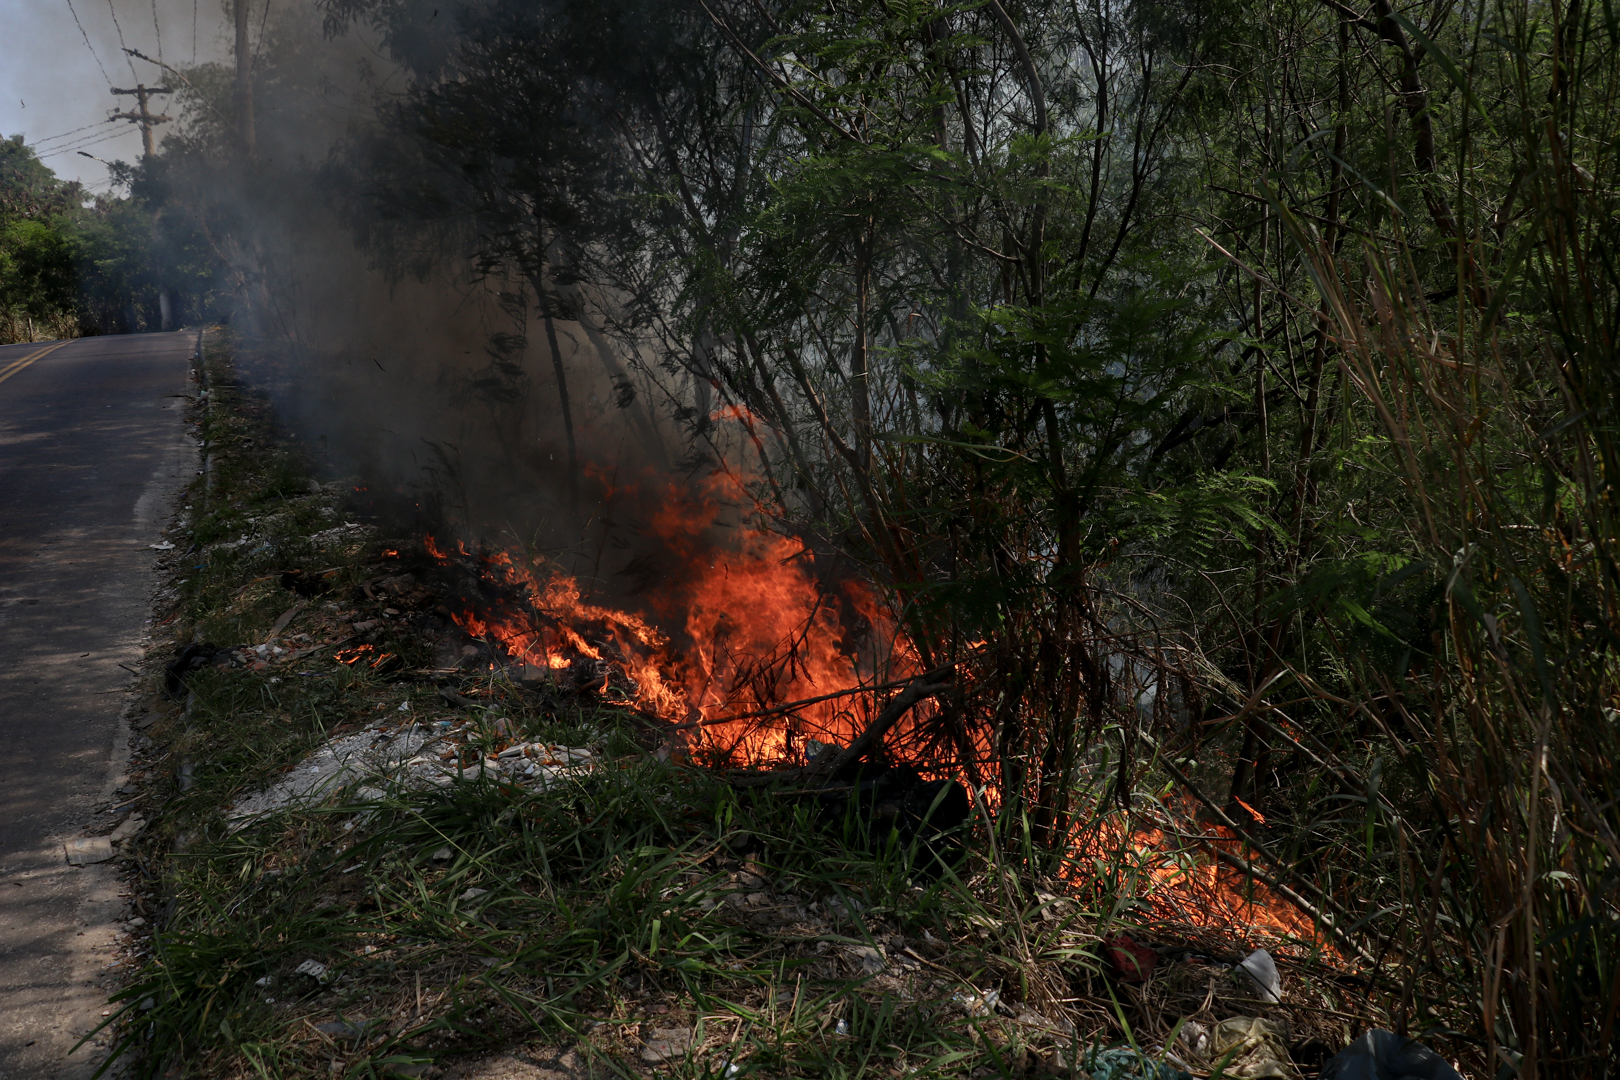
[357, 653]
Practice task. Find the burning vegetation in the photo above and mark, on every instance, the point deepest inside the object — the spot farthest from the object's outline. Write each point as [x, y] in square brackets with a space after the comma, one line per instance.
[768, 667]
[607, 825]
[1057, 496]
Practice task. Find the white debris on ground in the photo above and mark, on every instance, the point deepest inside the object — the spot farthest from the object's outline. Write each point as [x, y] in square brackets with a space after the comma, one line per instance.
[346, 533]
[362, 767]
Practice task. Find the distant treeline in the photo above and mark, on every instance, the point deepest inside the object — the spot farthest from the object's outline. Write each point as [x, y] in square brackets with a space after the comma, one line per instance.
[74, 264]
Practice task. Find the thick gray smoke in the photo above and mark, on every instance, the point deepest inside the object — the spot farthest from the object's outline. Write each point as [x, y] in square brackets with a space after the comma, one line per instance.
[435, 385]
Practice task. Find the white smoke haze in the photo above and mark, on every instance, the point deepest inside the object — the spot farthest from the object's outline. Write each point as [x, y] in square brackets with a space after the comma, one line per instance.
[433, 384]
[55, 88]
[436, 388]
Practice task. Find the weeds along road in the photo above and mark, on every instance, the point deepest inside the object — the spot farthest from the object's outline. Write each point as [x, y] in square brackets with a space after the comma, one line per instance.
[92, 449]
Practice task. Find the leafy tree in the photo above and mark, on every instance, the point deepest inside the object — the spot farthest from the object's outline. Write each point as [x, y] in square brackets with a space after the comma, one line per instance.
[36, 270]
[69, 265]
[36, 259]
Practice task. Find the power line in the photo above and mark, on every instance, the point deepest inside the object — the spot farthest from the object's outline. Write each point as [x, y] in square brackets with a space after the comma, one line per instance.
[87, 44]
[53, 138]
[114, 12]
[86, 140]
[170, 69]
[158, 30]
[193, 33]
[263, 22]
[96, 141]
[90, 140]
[144, 118]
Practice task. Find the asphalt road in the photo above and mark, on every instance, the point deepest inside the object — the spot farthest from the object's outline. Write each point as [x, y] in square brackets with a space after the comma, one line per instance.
[93, 450]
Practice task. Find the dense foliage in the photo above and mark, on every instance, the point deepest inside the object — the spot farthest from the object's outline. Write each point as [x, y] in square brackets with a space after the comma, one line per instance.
[1232, 389]
[71, 264]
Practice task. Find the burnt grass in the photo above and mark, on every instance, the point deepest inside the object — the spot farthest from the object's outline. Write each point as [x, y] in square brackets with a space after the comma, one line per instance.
[642, 916]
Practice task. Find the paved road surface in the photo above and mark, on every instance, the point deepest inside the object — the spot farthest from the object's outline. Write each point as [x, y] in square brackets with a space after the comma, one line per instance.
[92, 451]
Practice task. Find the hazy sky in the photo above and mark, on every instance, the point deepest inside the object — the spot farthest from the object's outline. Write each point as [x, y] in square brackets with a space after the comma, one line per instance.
[54, 89]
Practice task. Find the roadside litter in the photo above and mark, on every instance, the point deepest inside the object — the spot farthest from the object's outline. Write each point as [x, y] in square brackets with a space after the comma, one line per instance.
[1126, 1063]
[1252, 1049]
[1262, 971]
[129, 829]
[1384, 1055]
[1131, 961]
[188, 661]
[412, 756]
[314, 969]
[89, 849]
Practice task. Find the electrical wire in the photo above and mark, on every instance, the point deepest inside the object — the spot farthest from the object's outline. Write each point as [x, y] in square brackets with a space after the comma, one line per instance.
[97, 141]
[65, 134]
[193, 33]
[92, 140]
[86, 140]
[121, 43]
[87, 44]
[158, 30]
[263, 22]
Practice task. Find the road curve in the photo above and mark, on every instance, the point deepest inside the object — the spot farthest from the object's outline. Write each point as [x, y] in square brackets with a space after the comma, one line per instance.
[93, 449]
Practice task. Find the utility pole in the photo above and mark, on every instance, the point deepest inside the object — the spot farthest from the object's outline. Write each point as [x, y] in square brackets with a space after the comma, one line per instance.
[144, 117]
[244, 78]
[143, 94]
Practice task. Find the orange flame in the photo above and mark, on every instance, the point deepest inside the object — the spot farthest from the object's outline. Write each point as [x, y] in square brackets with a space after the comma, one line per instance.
[354, 654]
[1173, 875]
[740, 627]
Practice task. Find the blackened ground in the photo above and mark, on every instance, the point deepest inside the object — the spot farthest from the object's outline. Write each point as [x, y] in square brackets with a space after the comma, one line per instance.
[927, 817]
[92, 449]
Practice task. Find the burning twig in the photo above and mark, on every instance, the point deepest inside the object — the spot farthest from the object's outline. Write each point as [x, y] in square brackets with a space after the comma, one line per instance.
[1248, 869]
[836, 766]
[791, 706]
[927, 685]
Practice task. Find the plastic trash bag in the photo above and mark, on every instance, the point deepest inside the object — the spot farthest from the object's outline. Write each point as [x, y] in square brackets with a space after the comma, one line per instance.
[1252, 1048]
[1384, 1055]
[1261, 970]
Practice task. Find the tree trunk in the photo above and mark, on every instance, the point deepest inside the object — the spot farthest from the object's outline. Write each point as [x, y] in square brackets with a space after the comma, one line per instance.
[244, 80]
[567, 414]
[860, 390]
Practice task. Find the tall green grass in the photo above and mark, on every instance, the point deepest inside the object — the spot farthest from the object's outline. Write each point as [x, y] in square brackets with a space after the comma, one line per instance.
[1498, 410]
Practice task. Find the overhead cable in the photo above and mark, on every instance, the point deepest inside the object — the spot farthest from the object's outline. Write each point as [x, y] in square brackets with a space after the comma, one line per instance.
[53, 138]
[87, 44]
[96, 140]
[121, 43]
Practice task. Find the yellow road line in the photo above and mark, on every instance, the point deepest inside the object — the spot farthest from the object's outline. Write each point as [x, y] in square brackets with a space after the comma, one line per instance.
[29, 359]
[17, 364]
